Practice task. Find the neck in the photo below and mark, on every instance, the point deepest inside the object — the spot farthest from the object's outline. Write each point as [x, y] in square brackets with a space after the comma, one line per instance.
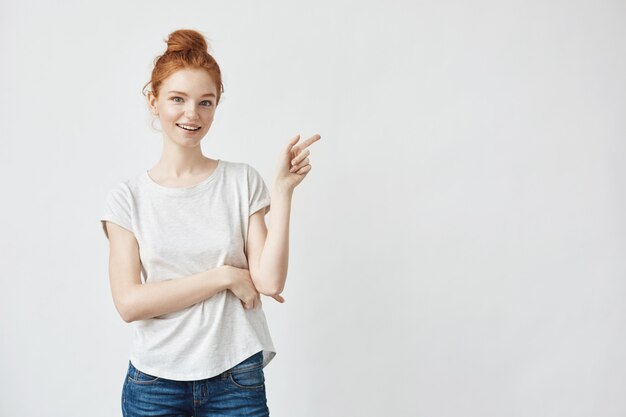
[180, 161]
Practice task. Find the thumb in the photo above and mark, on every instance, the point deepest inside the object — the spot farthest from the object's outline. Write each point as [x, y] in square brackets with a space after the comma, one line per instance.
[292, 142]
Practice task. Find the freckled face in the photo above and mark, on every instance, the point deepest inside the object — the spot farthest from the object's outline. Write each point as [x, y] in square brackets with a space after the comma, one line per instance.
[185, 106]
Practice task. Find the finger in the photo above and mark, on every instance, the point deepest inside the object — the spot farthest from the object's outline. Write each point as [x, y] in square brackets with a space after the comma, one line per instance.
[292, 142]
[310, 140]
[297, 149]
[300, 165]
[304, 169]
[300, 157]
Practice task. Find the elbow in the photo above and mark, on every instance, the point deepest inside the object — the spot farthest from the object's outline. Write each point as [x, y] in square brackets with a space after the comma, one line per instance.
[266, 288]
[127, 317]
[272, 292]
[278, 290]
[126, 310]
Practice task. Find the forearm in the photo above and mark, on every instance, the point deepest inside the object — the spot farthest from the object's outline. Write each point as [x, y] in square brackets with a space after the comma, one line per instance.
[274, 259]
[155, 298]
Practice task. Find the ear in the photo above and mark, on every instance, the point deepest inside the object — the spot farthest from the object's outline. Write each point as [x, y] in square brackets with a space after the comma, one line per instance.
[152, 103]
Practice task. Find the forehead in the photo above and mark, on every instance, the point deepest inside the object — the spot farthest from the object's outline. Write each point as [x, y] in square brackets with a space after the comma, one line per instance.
[194, 81]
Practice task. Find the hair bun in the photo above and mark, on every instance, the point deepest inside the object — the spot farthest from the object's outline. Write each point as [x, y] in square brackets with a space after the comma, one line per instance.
[186, 48]
[184, 39]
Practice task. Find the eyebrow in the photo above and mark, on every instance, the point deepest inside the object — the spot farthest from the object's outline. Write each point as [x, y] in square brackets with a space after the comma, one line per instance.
[183, 94]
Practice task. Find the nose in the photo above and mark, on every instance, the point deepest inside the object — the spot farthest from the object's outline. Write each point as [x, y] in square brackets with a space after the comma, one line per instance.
[190, 112]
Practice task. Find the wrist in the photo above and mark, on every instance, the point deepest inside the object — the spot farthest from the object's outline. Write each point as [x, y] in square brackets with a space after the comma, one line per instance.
[281, 189]
[223, 276]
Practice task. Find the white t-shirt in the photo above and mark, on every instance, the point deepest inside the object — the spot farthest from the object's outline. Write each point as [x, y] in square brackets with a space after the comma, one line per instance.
[185, 231]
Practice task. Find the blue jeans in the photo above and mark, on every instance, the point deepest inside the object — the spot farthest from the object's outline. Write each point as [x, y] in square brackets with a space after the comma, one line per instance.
[239, 391]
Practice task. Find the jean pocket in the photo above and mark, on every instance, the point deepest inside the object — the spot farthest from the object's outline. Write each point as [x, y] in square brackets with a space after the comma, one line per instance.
[249, 378]
[139, 377]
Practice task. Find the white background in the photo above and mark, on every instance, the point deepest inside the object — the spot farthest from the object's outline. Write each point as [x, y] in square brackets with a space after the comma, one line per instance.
[456, 250]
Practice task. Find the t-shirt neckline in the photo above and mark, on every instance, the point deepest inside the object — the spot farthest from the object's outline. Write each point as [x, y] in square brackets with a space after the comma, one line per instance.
[184, 190]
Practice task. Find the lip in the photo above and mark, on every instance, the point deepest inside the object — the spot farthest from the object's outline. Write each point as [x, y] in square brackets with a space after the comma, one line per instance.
[188, 131]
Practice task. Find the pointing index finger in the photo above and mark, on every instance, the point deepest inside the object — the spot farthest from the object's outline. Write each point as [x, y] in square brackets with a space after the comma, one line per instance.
[310, 140]
[297, 148]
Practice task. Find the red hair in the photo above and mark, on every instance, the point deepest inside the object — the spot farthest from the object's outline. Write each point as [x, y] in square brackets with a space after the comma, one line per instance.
[186, 48]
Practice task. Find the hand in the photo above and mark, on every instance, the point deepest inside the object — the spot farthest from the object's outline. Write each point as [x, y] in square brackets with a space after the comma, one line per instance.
[293, 163]
[240, 283]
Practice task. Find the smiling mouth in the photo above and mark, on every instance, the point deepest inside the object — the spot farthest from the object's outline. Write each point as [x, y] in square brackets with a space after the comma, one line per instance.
[188, 128]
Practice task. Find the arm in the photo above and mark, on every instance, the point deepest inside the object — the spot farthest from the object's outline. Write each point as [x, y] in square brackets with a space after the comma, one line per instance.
[136, 301]
[155, 298]
[268, 250]
[268, 256]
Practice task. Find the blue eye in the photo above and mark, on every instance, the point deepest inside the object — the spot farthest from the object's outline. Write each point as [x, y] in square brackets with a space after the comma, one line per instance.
[209, 104]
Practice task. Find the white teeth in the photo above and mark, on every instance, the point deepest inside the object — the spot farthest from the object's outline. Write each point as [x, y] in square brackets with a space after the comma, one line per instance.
[186, 127]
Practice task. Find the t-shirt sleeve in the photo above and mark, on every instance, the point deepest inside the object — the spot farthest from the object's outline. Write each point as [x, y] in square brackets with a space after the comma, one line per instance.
[258, 193]
[117, 208]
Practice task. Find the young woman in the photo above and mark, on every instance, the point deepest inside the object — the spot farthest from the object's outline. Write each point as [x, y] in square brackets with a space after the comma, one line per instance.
[194, 228]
